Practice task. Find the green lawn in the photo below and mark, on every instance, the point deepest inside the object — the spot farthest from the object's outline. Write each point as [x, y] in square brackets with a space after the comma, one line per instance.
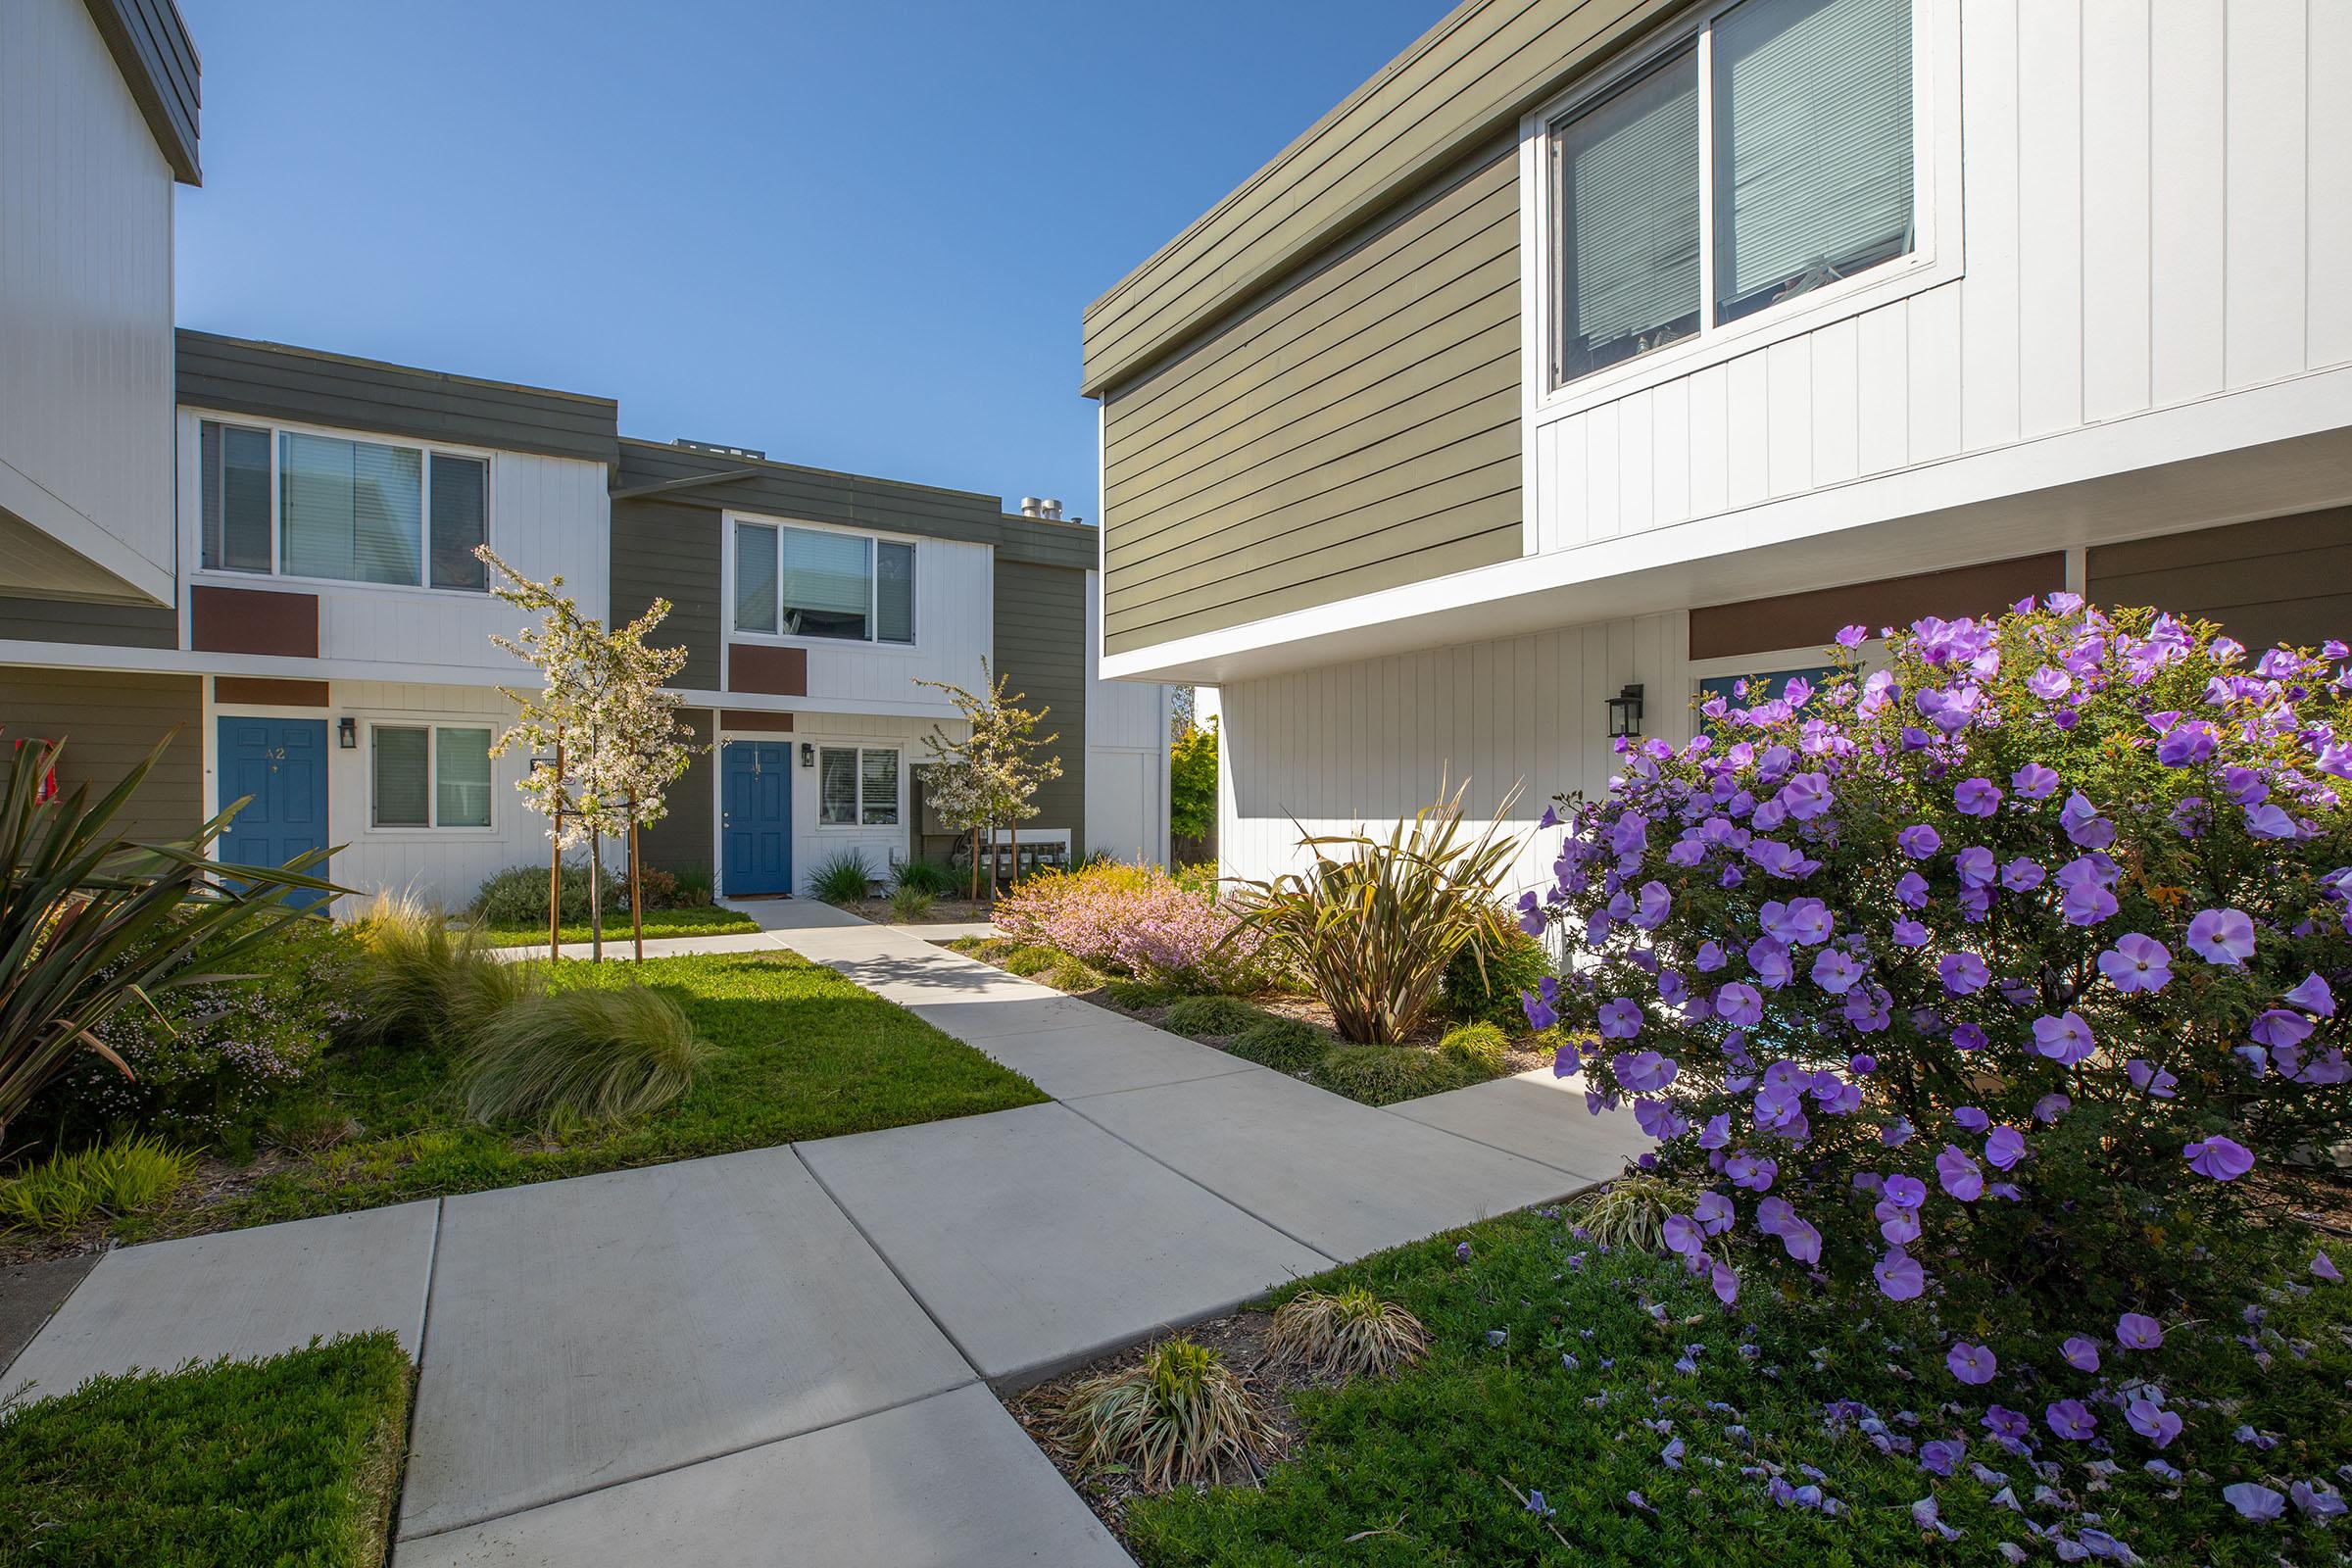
[708, 921]
[801, 1053]
[292, 1460]
[1420, 1470]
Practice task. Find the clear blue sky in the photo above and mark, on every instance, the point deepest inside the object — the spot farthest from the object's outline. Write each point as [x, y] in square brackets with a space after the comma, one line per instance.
[858, 235]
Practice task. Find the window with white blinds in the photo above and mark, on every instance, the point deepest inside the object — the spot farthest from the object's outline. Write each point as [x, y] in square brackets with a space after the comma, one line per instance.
[1791, 121]
[857, 786]
[823, 582]
[302, 503]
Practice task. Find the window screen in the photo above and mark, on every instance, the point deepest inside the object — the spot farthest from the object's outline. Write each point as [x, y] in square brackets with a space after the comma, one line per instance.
[878, 776]
[350, 510]
[837, 786]
[894, 592]
[235, 460]
[828, 583]
[1625, 214]
[402, 798]
[1812, 145]
[462, 778]
[755, 578]
[461, 495]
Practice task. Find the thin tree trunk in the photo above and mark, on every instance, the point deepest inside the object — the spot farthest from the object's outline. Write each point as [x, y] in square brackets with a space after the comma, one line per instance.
[596, 895]
[636, 885]
[975, 865]
[554, 867]
[1014, 828]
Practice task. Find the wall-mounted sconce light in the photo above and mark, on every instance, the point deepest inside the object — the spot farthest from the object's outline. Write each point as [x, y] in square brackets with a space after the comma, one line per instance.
[808, 755]
[347, 733]
[1625, 713]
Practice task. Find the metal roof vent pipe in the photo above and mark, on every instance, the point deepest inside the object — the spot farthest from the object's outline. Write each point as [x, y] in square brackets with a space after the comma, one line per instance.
[1049, 509]
[1031, 507]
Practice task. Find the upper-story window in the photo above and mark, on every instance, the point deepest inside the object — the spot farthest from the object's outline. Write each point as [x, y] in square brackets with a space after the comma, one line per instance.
[818, 582]
[302, 505]
[1762, 156]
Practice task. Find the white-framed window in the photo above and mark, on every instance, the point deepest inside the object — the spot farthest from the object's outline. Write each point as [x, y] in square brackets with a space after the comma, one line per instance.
[857, 786]
[278, 501]
[823, 582]
[1761, 153]
[428, 775]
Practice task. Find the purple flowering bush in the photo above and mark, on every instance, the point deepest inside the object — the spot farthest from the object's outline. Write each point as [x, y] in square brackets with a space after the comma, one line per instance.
[2013, 965]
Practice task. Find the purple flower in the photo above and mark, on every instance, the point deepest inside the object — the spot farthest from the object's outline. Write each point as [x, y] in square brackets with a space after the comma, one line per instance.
[2086, 903]
[2034, 782]
[2279, 1028]
[1716, 1134]
[2222, 935]
[1904, 1192]
[1999, 1420]
[2084, 824]
[1972, 1363]
[1770, 961]
[1897, 1133]
[2136, 1330]
[1959, 1174]
[2082, 1352]
[1943, 1455]
[1976, 797]
[2270, 823]
[2187, 744]
[2021, 875]
[1462, 1251]
[2221, 1158]
[1806, 796]
[2005, 1147]
[2138, 963]
[1974, 866]
[1713, 1212]
[2313, 997]
[1908, 933]
[1836, 971]
[1567, 1061]
[2255, 1501]
[1751, 1171]
[1962, 972]
[1725, 1284]
[1645, 1073]
[2323, 1267]
[2154, 1082]
[1861, 1064]
[1899, 1275]
[1968, 1037]
[1654, 906]
[2049, 683]
[2320, 1502]
[2071, 1419]
[1739, 1004]
[1620, 1019]
[1683, 1235]
[1708, 959]
[1972, 1118]
[2152, 1421]
[1919, 841]
[2065, 1039]
[1911, 889]
[1852, 636]
[2049, 1107]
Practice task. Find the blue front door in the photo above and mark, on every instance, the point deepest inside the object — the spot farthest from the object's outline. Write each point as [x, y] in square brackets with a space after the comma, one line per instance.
[281, 763]
[756, 816]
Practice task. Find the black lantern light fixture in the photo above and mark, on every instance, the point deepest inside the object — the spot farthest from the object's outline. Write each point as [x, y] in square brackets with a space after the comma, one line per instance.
[347, 733]
[1625, 713]
[808, 755]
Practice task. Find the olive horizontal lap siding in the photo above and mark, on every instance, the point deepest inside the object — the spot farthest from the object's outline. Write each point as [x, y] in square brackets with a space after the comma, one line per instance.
[1041, 651]
[81, 621]
[1359, 430]
[108, 721]
[276, 381]
[2281, 579]
[666, 549]
[682, 840]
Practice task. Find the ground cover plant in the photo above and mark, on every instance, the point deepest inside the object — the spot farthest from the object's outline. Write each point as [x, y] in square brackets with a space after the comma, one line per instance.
[114, 1179]
[295, 1459]
[1589, 1404]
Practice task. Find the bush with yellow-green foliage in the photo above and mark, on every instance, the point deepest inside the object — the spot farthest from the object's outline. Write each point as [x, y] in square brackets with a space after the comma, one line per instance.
[109, 1181]
[1479, 1046]
[1180, 1417]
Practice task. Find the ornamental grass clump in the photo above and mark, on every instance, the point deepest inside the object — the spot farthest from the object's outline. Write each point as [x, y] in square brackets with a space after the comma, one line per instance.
[1180, 1417]
[112, 1180]
[594, 1054]
[2001, 978]
[1346, 1333]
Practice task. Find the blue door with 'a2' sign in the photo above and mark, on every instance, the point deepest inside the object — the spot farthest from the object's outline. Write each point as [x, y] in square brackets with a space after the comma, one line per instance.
[756, 816]
[281, 764]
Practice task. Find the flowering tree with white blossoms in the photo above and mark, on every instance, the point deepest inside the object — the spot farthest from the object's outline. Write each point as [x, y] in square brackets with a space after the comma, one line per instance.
[990, 776]
[603, 710]
[1997, 987]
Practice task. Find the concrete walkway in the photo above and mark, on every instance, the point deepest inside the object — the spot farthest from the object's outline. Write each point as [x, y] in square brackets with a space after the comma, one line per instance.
[788, 1354]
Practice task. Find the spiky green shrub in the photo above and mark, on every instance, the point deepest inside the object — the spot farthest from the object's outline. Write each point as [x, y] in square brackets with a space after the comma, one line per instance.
[1486, 979]
[1204, 1016]
[419, 979]
[1142, 995]
[1382, 1075]
[1344, 1334]
[1033, 957]
[1630, 1212]
[842, 879]
[924, 876]
[1477, 1045]
[1073, 975]
[1178, 1417]
[597, 1054]
[112, 1179]
[1285, 1044]
[1374, 923]
[910, 903]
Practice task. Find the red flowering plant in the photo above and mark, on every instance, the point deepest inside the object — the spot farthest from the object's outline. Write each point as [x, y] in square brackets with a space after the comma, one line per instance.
[2004, 973]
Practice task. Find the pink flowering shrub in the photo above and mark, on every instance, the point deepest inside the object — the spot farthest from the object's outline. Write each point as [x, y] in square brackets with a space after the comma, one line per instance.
[2009, 971]
[1137, 920]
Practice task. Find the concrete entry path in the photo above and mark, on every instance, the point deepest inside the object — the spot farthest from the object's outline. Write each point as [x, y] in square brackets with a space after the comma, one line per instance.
[783, 1354]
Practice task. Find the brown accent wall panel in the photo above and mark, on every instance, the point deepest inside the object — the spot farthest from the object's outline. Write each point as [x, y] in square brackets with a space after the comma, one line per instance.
[1041, 651]
[752, 719]
[682, 840]
[254, 620]
[2278, 580]
[110, 721]
[1801, 620]
[775, 671]
[1357, 431]
[256, 691]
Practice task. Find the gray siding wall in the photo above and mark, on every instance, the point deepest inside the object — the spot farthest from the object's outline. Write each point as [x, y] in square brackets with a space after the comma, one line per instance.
[684, 838]
[158, 61]
[2279, 580]
[1356, 431]
[108, 721]
[665, 549]
[1041, 650]
[74, 620]
[271, 380]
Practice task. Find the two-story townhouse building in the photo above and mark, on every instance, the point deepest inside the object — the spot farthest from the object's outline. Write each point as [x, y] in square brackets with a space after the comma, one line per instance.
[1603, 349]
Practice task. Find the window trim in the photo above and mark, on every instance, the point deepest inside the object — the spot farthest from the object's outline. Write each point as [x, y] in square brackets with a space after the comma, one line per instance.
[426, 451]
[432, 826]
[1935, 192]
[860, 751]
[730, 520]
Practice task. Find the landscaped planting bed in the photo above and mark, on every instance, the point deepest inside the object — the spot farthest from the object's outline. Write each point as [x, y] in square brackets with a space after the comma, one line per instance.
[703, 921]
[295, 1459]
